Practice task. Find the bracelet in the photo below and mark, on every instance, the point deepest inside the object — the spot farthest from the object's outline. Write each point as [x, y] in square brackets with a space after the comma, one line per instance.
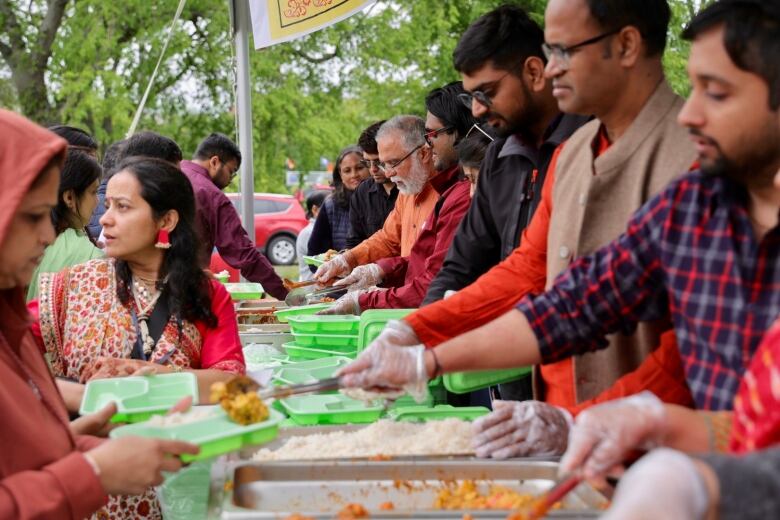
[92, 463]
[437, 369]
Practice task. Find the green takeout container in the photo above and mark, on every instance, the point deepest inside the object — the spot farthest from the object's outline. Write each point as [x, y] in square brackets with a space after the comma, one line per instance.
[373, 321]
[439, 412]
[310, 371]
[300, 310]
[300, 353]
[337, 342]
[309, 410]
[216, 434]
[325, 325]
[244, 291]
[465, 382]
[138, 397]
[314, 260]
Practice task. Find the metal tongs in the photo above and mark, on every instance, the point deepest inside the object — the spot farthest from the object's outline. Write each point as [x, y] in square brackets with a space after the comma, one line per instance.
[280, 392]
[308, 294]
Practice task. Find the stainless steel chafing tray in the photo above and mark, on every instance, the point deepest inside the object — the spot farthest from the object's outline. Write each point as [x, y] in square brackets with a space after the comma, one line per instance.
[320, 489]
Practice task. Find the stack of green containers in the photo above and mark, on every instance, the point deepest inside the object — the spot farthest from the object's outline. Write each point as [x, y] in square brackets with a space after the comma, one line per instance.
[323, 336]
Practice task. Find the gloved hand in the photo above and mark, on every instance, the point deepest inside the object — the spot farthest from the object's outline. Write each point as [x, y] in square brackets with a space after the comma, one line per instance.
[663, 484]
[347, 304]
[362, 277]
[383, 366]
[339, 265]
[397, 333]
[605, 434]
[520, 429]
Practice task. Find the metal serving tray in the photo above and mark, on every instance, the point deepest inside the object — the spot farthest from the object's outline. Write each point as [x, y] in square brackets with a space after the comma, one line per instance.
[320, 489]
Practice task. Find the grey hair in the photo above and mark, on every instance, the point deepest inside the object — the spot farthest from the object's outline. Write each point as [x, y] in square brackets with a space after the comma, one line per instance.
[411, 128]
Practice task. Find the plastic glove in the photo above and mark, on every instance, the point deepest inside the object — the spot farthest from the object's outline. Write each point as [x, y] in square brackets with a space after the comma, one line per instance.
[362, 277]
[397, 333]
[605, 434]
[336, 266]
[347, 304]
[383, 366]
[520, 429]
[663, 484]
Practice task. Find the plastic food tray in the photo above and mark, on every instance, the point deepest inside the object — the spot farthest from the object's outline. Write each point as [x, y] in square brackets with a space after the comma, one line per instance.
[373, 321]
[299, 353]
[245, 291]
[442, 411]
[329, 341]
[309, 371]
[464, 382]
[314, 260]
[308, 410]
[300, 310]
[325, 325]
[216, 435]
[138, 397]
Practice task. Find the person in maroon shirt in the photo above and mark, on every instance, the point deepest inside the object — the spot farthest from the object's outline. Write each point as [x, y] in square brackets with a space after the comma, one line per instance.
[214, 165]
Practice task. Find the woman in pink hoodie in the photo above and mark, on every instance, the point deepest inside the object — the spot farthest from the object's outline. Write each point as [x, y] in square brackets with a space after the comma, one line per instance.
[48, 469]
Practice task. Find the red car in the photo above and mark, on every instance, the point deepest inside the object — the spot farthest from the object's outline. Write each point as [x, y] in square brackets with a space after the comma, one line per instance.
[278, 220]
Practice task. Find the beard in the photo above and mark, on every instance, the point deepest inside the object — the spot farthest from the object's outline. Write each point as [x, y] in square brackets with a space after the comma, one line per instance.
[416, 180]
[755, 167]
[520, 123]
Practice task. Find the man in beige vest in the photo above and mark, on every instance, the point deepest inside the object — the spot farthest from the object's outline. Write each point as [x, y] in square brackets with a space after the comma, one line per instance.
[608, 63]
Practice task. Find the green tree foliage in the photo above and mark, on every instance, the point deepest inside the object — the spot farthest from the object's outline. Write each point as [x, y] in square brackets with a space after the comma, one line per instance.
[87, 62]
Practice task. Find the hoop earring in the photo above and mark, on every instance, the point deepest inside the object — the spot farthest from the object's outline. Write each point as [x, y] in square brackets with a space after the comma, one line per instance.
[163, 239]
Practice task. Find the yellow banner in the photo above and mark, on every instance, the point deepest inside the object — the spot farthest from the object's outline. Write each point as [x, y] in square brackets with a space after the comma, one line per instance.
[276, 21]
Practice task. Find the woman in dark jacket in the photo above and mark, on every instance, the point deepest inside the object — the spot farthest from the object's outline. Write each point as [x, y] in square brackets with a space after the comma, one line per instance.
[332, 225]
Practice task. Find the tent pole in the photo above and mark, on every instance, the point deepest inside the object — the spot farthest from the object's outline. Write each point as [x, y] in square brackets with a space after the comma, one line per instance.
[242, 29]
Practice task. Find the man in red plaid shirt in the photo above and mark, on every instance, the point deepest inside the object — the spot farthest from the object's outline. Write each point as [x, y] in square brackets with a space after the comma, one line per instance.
[706, 249]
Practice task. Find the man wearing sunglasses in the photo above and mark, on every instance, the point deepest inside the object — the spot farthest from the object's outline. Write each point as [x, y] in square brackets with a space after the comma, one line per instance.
[604, 59]
[500, 59]
[375, 198]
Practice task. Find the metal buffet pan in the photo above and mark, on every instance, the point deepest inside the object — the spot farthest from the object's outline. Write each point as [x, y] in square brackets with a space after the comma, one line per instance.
[320, 489]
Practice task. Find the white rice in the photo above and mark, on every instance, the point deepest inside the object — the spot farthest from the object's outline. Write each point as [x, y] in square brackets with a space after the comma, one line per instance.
[178, 418]
[384, 437]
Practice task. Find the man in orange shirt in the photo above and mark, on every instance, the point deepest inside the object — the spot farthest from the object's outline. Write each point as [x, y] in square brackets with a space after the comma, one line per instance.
[608, 63]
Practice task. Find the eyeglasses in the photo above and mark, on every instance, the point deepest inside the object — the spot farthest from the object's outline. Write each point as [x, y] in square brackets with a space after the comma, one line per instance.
[430, 134]
[563, 54]
[467, 98]
[476, 127]
[387, 167]
[369, 163]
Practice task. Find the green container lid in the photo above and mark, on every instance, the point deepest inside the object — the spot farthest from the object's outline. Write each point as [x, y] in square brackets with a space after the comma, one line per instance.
[310, 371]
[138, 397]
[244, 291]
[325, 325]
[301, 353]
[301, 310]
[308, 410]
[314, 260]
[216, 435]
[464, 382]
[337, 342]
[373, 321]
[439, 412]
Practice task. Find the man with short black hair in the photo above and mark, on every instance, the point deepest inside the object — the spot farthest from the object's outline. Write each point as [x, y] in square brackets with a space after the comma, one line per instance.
[374, 198]
[214, 164]
[502, 65]
[151, 144]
